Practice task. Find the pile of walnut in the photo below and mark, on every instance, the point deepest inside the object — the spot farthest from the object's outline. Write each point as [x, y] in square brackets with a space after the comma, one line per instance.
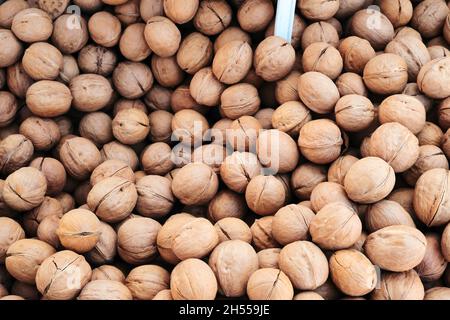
[176, 149]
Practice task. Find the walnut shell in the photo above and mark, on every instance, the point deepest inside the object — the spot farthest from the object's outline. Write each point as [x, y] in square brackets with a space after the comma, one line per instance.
[132, 43]
[352, 272]
[291, 223]
[130, 126]
[433, 76]
[42, 61]
[430, 197]
[268, 258]
[43, 133]
[431, 134]
[262, 233]
[269, 284]
[354, 113]
[24, 189]
[112, 199]
[195, 239]
[445, 243]
[274, 58]
[239, 100]
[155, 198]
[437, 293]
[317, 92]
[10, 232]
[108, 272]
[396, 248]
[80, 157]
[369, 180]
[413, 51]
[238, 169]
[111, 168]
[318, 10]
[286, 89]
[48, 98]
[46, 230]
[305, 178]
[339, 168]
[146, 281]
[118, 151]
[399, 286]
[97, 59]
[324, 58]
[265, 195]
[230, 34]
[162, 36]
[429, 17]
[62, 275]
[70, 33]
[233, 262]
[180, 11]
[132, 79]
[225, 66]
[433, 265]
[167, 233]
[430, 157]
[24, 257]
[328, 192]
[320, 141]
[351, 83]
[9, 9]
[79, 230]
[15, 152]
[105, 249]
[396, 145]
[195, 52]
[157, 158]
[305, 265]
[226, 203]
[136, 240]
[231, 228]
[105, 290]
[386, 74]
[213, 16]
[405, 110]
[90, 92]
[193, 279]
[104, 29]
[290, 117]
[32, 25]
[335, 226]
[320, 32]
[205, 182]
[373, 26]
[277, 151]
[255, 15]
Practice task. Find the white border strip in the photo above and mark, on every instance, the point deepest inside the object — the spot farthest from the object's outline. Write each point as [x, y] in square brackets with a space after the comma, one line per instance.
[284, 19]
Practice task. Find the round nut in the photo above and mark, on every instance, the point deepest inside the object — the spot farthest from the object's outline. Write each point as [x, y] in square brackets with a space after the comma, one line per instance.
[193, 279]
[24, 189]
[232, 282]
[79, 230]
[52, 277]
[162, 36]
[269, 284]
[369, 180]
[305, 265]
[396, 248]
[336, 226]
[352, 272]
[274, 58]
